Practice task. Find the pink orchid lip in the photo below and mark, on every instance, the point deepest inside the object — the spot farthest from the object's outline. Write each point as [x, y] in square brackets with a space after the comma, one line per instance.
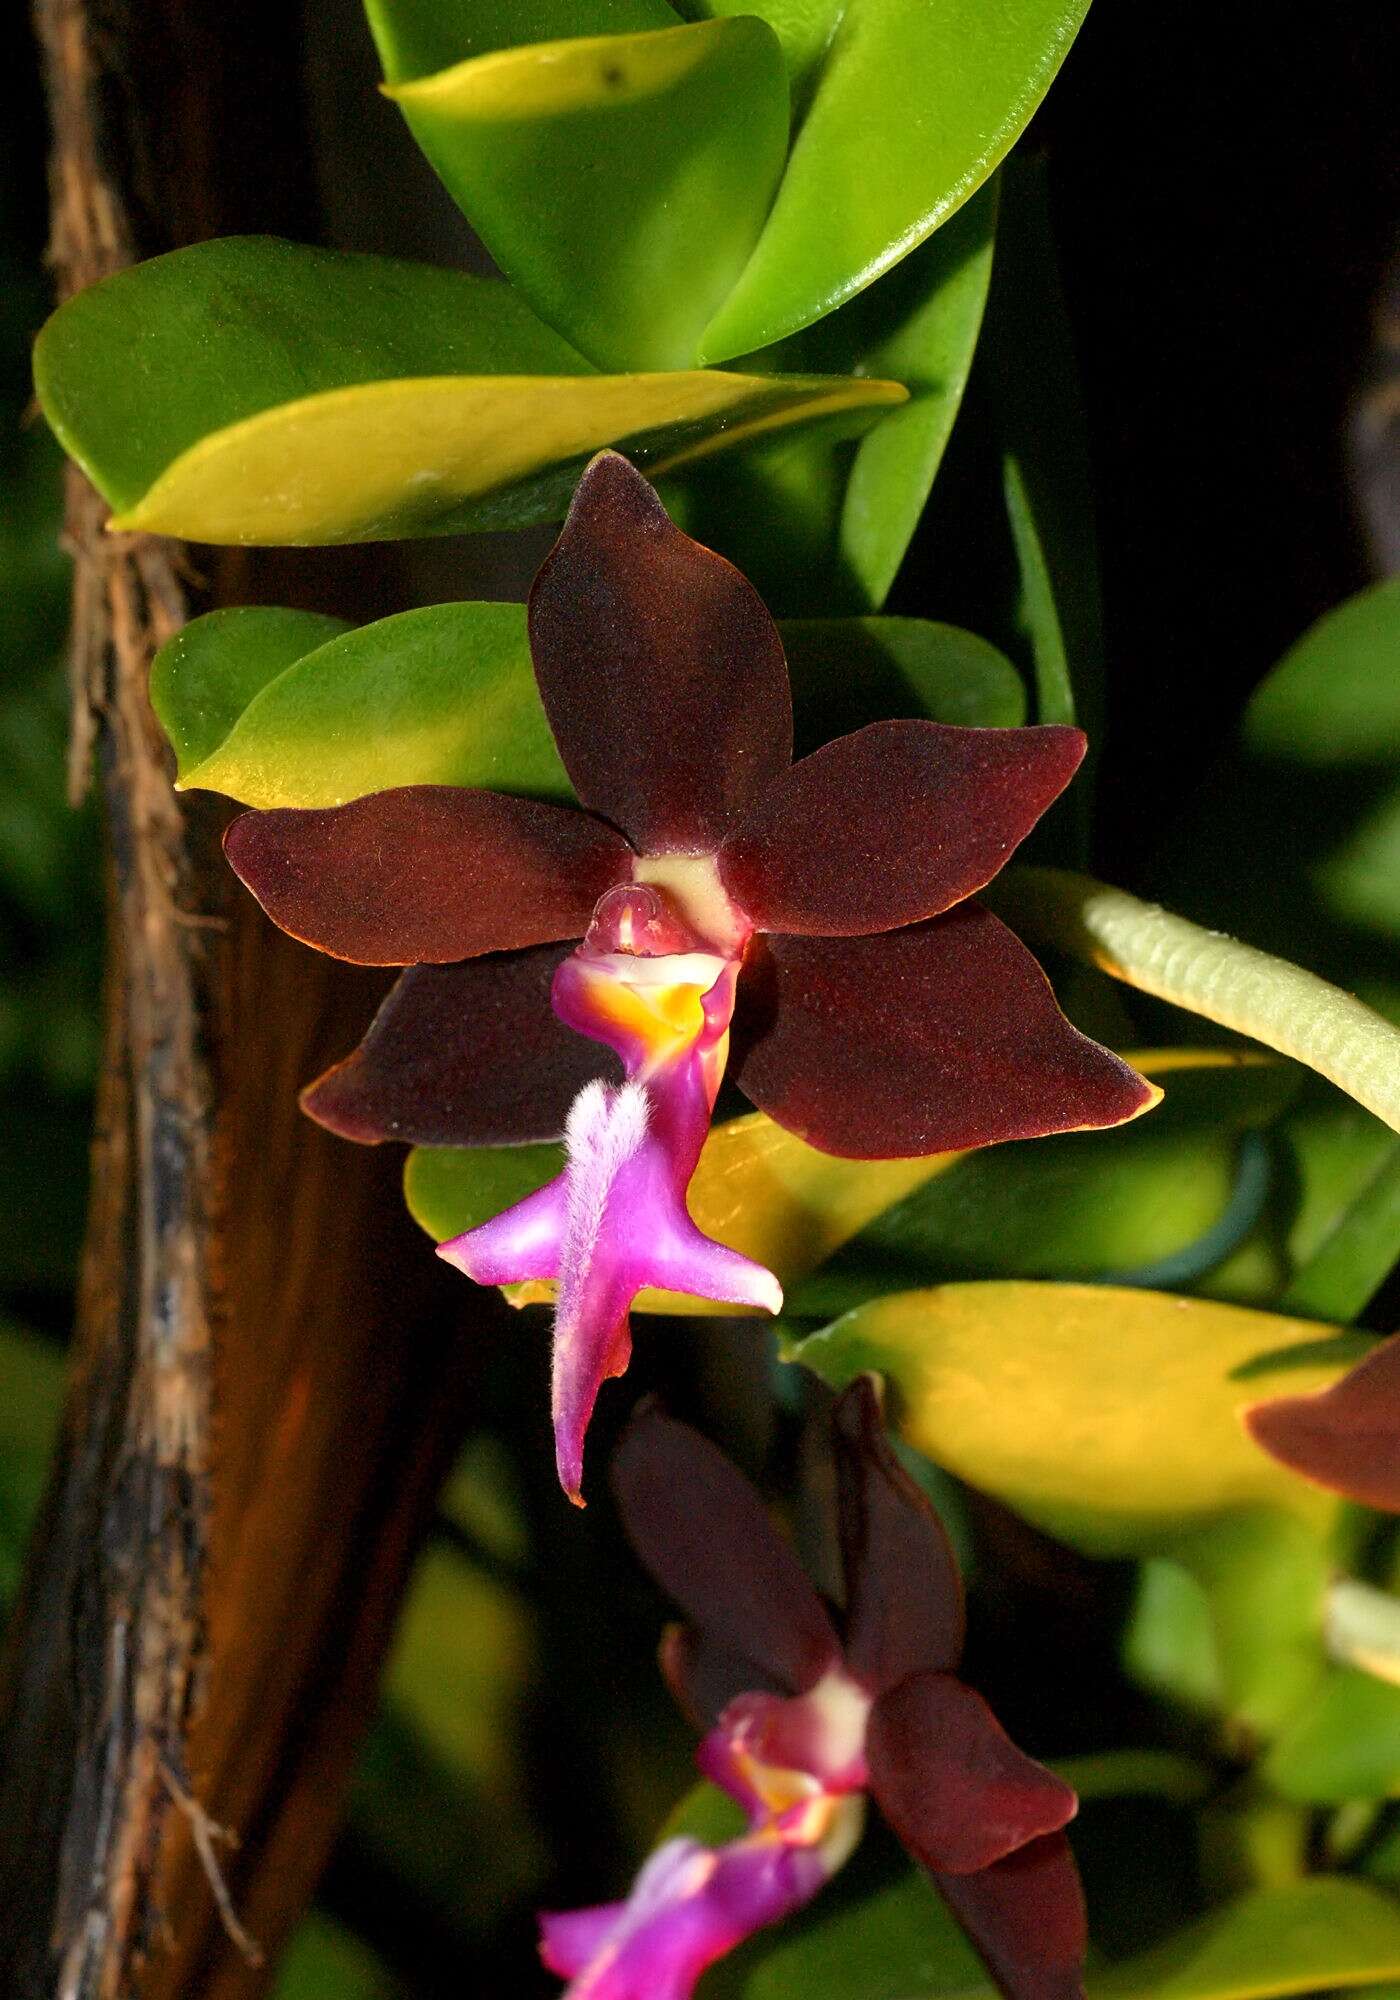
[648, 982]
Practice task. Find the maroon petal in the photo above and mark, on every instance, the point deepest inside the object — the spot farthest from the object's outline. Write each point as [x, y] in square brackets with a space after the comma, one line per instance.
[1026, 1917]
[925, 1040]
[1346, 1438]
[893, 824]
[661, 672]
[705, 1677]
[463, 1055]
[904, 1600]
[427, 873]
[704, 1534]
[950, 1781]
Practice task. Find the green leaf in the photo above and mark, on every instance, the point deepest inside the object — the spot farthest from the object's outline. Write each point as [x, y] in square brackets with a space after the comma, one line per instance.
[1310, 803]
[758, 1189]
[1082, 1205]
[1324, 1934]
[280, 708]
[1037, 613]
[620, 181]
[1109, 1418]
[898, 1943]
[1329, 703]
[285, 394]
[442, 695]
[947, 90]
[1344, 1744]
[204, 678]
[1032, 384]
[1212, 975]
[324, 1961]
[826, 524]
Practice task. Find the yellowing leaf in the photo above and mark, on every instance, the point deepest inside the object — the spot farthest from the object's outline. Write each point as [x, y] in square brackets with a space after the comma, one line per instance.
[425, 455]
[1110, 1418]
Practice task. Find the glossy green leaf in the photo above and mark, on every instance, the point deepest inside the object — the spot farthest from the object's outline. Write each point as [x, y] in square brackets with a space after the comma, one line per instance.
[758, 1189]
[620, 181]
[281, 708]
[293, 395]
[1108, 1417]
[443, 695]
[1344, 1744]
[948, 86]
[825, 524]
[1207, 973]
[204, 678]
[1143, 1200]
[1326, 1934]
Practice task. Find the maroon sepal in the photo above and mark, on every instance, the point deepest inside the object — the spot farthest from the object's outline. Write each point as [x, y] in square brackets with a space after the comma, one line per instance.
[463, 1055]
[1346, 1438]
[927, 1040]
[660, 670]
[904, 1598]
[427, 874]
[893, 824]
[701, 1529]
[704, 1677]
[950, 1781]
[1026, 1917]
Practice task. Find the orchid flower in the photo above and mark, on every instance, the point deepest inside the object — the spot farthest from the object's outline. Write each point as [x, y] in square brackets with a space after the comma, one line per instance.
[803, 1724]
[880, 1013]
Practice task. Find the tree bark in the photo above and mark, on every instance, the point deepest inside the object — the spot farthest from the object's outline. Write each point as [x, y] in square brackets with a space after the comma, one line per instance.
[268, 1375]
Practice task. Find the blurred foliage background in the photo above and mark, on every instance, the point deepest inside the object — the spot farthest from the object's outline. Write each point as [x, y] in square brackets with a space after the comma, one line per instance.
[1224, 198]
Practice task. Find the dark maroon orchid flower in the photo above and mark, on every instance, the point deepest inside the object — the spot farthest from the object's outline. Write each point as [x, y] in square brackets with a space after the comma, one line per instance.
[804, 1720]
[1346, 1438]
[881, 1013]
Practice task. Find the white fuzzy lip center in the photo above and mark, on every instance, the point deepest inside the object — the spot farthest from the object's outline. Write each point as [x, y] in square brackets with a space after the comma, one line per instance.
[692, 881]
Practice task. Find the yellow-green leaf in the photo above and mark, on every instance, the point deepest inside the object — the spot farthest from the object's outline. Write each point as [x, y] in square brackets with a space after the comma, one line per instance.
[1110, 1418]
[293, 395]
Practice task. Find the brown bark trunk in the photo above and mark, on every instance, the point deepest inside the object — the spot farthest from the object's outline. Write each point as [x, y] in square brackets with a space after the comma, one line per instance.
[268, 1375]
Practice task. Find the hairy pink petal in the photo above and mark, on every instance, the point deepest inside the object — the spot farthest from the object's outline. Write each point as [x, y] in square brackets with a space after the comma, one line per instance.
[427, 874]
[688, 1907]
[1026, 1916]
[950, 1781]
[892, 824]
[660, 670]
[704, 1534]
[463, 1055]
[1346, 1438]
[926, 1040]
[904, 1598]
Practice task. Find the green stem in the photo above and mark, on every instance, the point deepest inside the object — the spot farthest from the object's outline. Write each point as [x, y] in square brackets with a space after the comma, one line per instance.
[1210, 974]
